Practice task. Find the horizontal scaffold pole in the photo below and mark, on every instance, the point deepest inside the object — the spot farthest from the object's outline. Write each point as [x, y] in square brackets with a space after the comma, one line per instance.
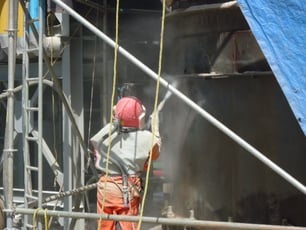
[185, 222]
[185, 99]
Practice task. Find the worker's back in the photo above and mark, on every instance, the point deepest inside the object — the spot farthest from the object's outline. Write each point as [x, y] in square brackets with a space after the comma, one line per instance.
[131, 146]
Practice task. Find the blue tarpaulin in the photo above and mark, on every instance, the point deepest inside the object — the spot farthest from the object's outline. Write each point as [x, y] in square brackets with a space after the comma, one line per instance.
[279, 27]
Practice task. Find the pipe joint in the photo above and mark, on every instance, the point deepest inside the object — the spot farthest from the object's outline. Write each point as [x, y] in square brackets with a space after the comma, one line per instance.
[10, 92]
[9, 150]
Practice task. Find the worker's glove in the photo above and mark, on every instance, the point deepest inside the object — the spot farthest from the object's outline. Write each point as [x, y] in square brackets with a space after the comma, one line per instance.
[154, 117]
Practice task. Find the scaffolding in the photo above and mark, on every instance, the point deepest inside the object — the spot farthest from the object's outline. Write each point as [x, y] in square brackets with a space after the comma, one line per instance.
[32, 134]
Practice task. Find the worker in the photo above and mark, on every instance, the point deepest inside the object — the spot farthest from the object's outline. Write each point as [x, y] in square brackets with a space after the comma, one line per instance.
[119, 189]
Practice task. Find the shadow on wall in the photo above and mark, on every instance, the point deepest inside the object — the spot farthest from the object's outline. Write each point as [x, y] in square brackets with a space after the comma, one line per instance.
[269, 209]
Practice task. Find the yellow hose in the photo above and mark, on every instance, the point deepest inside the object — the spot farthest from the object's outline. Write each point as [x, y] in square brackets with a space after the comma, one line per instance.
[112, 104]
[154, 113]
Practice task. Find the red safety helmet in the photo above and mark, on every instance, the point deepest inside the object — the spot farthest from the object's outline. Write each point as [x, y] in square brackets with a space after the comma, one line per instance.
[131, 112]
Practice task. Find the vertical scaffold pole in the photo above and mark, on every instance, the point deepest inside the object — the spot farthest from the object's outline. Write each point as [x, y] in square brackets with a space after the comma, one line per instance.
[9, 130]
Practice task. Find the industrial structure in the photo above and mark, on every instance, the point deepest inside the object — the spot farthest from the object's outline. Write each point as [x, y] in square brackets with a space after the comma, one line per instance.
[233, 151]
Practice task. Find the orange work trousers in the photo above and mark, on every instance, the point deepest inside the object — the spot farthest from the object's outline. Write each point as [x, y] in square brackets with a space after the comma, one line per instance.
[110, 201]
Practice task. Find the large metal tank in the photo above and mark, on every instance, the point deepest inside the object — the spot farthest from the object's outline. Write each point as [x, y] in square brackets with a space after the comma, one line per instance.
[212, 55]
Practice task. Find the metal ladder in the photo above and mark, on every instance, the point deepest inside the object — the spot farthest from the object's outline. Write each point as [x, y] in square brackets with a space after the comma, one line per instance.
[32, 106]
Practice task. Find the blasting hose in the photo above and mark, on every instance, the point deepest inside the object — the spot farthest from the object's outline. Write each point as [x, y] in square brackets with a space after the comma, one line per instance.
[70, 192]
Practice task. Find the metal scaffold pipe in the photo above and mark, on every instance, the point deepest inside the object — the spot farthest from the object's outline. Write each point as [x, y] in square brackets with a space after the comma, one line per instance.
[185, 222]
[185, 99]
[8, 151]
